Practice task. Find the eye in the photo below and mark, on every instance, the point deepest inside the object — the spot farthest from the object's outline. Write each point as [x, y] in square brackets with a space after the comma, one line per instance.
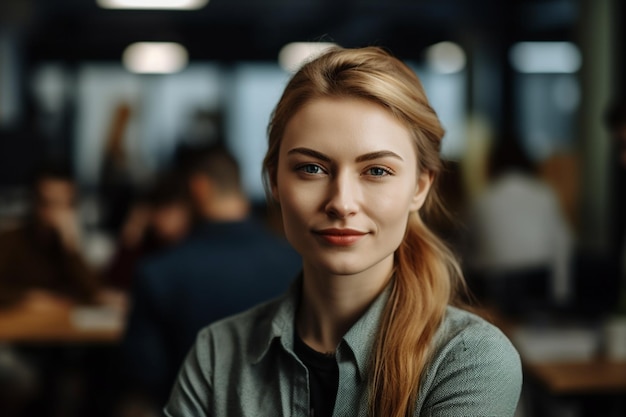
[378, 171]
[311, 169]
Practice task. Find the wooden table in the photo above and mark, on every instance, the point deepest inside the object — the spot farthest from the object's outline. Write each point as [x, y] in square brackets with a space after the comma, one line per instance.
[48, 321]
[596, 375]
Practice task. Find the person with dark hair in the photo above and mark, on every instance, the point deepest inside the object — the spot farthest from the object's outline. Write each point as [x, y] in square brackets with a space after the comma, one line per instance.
[42, 269]
[160, 218]
[229, 262]
[42, 258]
[372, 326]
[508, 155]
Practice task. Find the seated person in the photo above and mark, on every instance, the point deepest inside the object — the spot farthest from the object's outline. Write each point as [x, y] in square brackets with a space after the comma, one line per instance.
[42, 269]
[519, 244]
[41, 259]
[229, 262]
[159, 219]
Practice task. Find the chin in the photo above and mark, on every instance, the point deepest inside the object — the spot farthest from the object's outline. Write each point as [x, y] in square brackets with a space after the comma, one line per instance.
[342, 268]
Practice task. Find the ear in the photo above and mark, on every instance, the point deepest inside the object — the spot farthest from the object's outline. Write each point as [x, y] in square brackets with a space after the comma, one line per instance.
[424, 182]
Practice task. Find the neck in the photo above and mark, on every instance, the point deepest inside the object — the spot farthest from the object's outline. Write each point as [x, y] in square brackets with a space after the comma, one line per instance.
[226, 209]
[331, 304]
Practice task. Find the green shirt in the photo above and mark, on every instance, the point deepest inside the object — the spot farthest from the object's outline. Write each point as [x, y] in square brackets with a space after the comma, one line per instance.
[245, 365]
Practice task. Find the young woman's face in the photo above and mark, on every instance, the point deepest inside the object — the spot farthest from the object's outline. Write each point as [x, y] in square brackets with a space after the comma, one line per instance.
[346, 182]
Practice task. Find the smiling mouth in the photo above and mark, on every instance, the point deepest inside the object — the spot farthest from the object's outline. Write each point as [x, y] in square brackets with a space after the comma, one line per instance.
[340, 237]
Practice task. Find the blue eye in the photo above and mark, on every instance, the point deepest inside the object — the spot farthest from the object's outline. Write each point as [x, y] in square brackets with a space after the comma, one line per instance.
[311, 169]
[377, 171]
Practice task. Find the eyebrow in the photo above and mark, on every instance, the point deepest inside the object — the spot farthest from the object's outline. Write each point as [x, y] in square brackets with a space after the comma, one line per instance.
[377, 155]
[309, 152]
[361, 158]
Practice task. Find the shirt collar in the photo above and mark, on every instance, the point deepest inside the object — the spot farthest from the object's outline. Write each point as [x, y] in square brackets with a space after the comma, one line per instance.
[362, 335]
[281, 325]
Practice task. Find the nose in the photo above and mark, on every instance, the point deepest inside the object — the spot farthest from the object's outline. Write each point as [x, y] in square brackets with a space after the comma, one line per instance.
[342, 197]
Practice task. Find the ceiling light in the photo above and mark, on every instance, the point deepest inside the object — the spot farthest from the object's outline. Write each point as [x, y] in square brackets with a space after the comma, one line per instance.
[155, 57]
[153, 4]
[293, 55]
[445, 57]
[545, 57]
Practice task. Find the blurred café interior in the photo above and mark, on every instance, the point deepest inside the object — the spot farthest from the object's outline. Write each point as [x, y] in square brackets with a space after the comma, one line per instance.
[115, 89]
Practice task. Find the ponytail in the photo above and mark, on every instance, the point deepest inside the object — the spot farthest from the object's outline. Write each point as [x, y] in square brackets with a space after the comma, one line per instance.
[425, 272]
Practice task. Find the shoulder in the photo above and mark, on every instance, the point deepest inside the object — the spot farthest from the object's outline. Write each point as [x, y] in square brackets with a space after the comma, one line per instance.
[465, 333]
[458, 321]
[162, 261]
[474, 369]
[270, 240]
[157, 274]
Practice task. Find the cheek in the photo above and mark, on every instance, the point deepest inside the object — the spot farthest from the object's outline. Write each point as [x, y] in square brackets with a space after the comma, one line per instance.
[391, 200]
[391, 212]
[297, 206]
[296, 196]
[394, 220]
[293, 203]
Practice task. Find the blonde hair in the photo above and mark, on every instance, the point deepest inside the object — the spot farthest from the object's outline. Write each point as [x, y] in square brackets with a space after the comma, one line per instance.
[427, 274]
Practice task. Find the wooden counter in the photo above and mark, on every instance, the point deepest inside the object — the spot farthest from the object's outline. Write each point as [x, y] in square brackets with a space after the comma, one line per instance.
[566, 377]
[44, 320]
[586, 377]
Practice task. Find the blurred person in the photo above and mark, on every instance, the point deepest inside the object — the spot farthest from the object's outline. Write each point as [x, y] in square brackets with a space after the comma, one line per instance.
[520, 247]
[229, 262]
[370, 327]
[42, 269]
[117, 183]
[160, 218]
[41, 260]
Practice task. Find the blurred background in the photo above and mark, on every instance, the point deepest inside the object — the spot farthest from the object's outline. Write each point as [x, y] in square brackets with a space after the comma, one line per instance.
[117, 91]
[543, 69]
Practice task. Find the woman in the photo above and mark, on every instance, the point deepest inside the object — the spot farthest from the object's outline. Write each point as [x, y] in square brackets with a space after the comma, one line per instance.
[367, 329]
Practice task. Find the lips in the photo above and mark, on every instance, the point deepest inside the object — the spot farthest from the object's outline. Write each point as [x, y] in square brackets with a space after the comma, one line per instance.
[340, 237]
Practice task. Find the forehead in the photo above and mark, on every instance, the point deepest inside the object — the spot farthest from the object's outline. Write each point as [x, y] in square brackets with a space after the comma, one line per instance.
[348, 125]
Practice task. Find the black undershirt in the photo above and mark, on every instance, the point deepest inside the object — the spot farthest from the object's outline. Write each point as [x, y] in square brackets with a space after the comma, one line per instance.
[323, 378]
